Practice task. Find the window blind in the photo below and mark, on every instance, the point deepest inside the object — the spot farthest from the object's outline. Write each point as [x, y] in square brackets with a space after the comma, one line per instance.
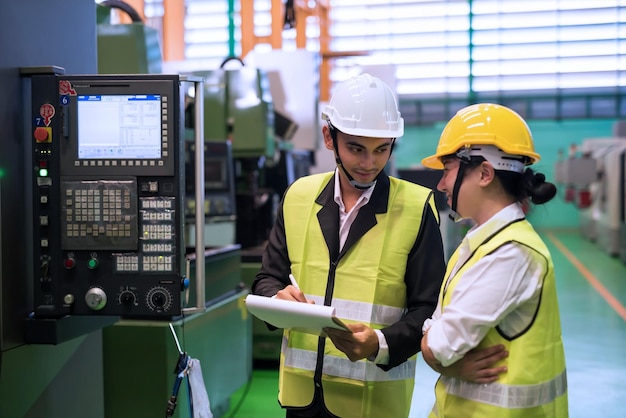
[446, 50]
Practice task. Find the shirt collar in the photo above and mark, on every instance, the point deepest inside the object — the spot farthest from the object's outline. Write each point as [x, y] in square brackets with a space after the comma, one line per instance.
[478, 234]
[365, 196]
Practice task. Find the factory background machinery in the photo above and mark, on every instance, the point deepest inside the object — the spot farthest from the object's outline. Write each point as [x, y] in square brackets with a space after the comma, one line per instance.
[593, 177]
[105, 263]
[216, 328]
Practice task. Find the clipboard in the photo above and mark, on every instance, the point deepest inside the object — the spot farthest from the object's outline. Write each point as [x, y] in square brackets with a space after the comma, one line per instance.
[297, 316]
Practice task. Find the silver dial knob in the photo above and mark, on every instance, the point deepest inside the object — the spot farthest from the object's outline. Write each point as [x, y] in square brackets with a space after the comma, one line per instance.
[95, 298]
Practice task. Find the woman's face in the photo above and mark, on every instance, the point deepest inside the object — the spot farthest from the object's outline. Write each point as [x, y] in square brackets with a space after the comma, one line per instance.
[468, 192]
[448, 178]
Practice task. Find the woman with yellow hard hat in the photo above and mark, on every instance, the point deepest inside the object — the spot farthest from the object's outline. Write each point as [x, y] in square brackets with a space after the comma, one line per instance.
[499, 288]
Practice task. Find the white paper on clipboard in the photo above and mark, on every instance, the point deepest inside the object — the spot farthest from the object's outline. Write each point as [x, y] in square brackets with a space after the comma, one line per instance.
[298, 316]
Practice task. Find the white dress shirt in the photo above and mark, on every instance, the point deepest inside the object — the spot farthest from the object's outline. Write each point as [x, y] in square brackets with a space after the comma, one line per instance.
[501, 289]
[345, 222]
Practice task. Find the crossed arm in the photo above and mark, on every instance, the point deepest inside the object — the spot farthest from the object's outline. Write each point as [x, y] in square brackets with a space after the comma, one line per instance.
[476, 366]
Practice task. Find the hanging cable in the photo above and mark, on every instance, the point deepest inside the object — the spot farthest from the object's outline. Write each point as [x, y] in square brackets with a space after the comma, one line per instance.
[290, 15]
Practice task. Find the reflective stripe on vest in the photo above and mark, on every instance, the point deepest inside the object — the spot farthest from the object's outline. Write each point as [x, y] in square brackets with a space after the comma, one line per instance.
[342, 367]
[362, 311]
[509, 396]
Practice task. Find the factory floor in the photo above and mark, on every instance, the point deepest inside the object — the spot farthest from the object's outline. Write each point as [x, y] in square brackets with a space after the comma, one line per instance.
[592, 295]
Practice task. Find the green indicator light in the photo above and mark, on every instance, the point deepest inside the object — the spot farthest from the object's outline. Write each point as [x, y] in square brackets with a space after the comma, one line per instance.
[43, 172]
[92, 264]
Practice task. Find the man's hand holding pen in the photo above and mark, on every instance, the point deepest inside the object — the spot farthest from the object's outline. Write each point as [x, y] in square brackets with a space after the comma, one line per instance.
[293, 292]
[361, 343]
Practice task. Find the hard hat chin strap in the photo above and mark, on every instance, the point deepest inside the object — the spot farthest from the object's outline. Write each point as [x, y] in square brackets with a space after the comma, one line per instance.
[351, 180]
[356, 184]
[454, 215]
[498, 159]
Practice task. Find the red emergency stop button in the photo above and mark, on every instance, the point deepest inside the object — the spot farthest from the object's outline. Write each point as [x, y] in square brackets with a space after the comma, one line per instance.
[43, 134]
[69, 263]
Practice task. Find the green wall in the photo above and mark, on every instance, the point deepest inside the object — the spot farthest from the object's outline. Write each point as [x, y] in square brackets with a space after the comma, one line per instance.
[550, 137]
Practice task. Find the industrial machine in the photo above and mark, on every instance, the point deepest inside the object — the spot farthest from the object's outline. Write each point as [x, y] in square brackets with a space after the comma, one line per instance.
[107, 181]
[611, 199]
[621, 163]
[238, 101]
[578, 176]
[212, 324]
[237, 97]
[593, 179]
[220, 209]
[89, 290]
[575, 175]
[134, 46]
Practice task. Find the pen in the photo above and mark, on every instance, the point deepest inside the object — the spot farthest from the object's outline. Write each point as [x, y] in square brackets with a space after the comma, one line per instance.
[293, 281]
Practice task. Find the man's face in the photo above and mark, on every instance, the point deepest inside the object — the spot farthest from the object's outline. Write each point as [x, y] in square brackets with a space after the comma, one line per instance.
[363, 157]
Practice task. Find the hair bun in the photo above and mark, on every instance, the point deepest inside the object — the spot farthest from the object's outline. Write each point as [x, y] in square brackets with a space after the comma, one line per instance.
[539, 179]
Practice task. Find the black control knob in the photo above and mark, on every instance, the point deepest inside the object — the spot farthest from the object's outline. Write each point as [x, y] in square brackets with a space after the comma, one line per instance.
[159, 299]
[127, 298]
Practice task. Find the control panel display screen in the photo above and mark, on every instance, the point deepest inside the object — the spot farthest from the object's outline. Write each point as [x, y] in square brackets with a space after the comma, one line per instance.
[119, 127]
[108, 197]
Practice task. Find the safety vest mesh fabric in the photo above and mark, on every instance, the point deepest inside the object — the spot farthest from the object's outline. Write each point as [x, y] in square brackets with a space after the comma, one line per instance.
[535, 384]
[368, 288]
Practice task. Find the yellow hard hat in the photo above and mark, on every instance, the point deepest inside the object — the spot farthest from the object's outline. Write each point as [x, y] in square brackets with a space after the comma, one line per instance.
[485, 124]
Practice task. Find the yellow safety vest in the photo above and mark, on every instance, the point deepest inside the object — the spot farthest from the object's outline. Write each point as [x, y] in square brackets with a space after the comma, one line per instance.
[535, 385]
[367, 287]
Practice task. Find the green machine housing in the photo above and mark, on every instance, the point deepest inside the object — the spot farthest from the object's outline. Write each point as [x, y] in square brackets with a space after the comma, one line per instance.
[238, 107]
[131, 48]
[135, 48]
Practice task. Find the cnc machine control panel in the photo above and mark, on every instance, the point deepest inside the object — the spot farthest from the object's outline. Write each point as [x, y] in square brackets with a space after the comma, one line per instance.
[107, 195]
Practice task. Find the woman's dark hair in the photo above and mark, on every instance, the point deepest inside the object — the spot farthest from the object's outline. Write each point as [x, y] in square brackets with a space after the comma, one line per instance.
[529, 185]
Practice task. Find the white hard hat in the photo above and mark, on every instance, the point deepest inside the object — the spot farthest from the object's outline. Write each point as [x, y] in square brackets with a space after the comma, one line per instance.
[365, 106]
